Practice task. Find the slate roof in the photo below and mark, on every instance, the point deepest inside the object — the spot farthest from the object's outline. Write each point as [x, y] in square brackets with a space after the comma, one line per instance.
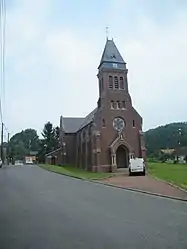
[72, 125]
[88, 118]
[111, 53]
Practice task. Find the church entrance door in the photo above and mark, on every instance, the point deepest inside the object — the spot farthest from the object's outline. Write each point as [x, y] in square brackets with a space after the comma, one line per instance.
[122, 157]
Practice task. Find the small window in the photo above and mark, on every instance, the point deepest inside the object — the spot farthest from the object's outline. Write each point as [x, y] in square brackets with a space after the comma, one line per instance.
[116, 83]
[133, 123]
[99, 103]
[110, 82]
[103, 123]
[123, 104]
[118, 105]
[112, 104]
[121, 83]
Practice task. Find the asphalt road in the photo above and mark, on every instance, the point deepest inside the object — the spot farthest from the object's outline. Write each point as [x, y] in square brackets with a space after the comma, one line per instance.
[40, 209]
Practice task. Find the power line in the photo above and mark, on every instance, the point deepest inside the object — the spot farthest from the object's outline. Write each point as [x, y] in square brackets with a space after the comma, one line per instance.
[2, 48]
[5, 127]
[2, 68]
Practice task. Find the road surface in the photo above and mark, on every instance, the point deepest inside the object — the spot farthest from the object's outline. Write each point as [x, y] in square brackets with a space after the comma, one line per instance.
[44, 210]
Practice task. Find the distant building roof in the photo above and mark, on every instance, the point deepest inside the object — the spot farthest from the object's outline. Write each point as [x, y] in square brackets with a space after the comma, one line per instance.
[182, 151]
[167, 151]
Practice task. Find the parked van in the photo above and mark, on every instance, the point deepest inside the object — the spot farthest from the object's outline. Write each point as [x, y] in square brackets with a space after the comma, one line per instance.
[136, 165]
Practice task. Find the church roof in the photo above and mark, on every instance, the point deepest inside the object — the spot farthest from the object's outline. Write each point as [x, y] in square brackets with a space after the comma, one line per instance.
[72, 125]
[111, 53]
[88, 118]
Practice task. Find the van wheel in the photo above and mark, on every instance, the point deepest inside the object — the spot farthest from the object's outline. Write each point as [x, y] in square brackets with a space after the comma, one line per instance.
[130, 173]
[143, 173]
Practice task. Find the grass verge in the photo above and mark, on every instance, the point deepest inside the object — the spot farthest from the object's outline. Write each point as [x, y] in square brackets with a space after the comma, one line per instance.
[76, 172]
[173, 173]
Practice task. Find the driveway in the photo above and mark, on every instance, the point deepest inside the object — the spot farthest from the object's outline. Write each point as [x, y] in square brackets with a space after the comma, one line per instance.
[147, 184]
[40, 209]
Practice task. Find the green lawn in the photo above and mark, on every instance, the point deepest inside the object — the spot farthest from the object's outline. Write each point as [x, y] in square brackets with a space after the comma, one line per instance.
[76, 172]
[173, 173]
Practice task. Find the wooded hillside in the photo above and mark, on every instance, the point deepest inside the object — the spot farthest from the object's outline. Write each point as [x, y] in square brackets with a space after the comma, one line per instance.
[172, 135]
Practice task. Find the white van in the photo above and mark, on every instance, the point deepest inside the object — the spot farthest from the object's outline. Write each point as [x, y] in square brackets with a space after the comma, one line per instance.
[136, 165]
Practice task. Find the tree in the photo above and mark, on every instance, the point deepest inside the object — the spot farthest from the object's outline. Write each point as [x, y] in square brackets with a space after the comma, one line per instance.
[57, 137]
[49, 137]
[168, 136]
[22, 143]
[42, 151]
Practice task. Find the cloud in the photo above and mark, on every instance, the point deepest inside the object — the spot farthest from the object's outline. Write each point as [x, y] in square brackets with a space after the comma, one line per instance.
[52, 66]
[157, 73]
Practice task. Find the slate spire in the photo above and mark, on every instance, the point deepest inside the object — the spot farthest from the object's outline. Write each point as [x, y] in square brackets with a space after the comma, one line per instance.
[111, 56]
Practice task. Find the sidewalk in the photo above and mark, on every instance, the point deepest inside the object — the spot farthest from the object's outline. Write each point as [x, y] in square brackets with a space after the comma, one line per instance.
[146, 184]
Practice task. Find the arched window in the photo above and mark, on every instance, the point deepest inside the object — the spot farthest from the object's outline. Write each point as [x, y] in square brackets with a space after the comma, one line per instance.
[103, 123]
[123, 104]
[118, 104]
[112, 104]
[133, 123]
[121, 82]
[116, 83]
[110, 82]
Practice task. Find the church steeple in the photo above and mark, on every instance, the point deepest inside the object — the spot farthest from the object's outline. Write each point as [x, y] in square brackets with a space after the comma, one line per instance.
[111, 57]
[112, 76]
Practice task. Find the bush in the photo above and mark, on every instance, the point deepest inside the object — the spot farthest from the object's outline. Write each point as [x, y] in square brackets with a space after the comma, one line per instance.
[152, 160]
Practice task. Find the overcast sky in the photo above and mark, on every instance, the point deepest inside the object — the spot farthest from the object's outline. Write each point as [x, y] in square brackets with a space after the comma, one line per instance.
[53, 48]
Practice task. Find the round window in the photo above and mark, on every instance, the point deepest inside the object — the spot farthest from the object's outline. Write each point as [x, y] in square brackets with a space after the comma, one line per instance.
[118, 124]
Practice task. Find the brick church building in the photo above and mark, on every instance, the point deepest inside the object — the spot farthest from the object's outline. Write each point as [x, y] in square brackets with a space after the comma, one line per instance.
[106, 138]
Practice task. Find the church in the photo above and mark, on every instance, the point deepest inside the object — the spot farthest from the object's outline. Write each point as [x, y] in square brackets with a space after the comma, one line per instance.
[105, 139]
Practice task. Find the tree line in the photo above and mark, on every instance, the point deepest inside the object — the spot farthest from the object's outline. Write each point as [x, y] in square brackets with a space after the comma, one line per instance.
[171, 136]
[27, 141]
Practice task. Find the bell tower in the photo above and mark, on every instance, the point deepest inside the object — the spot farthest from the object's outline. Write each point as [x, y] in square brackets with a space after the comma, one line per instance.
[112, 76]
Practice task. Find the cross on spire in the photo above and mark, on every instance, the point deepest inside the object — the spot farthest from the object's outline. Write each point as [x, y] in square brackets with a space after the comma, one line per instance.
[107, 33]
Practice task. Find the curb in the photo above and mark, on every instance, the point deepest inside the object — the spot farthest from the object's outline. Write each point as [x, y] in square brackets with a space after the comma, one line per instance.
[143, 191]
[77, 177]
[169, 183]
[125, 188]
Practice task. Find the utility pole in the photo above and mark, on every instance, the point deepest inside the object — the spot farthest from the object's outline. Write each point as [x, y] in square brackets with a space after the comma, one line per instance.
[2, 158]
[8, 149]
